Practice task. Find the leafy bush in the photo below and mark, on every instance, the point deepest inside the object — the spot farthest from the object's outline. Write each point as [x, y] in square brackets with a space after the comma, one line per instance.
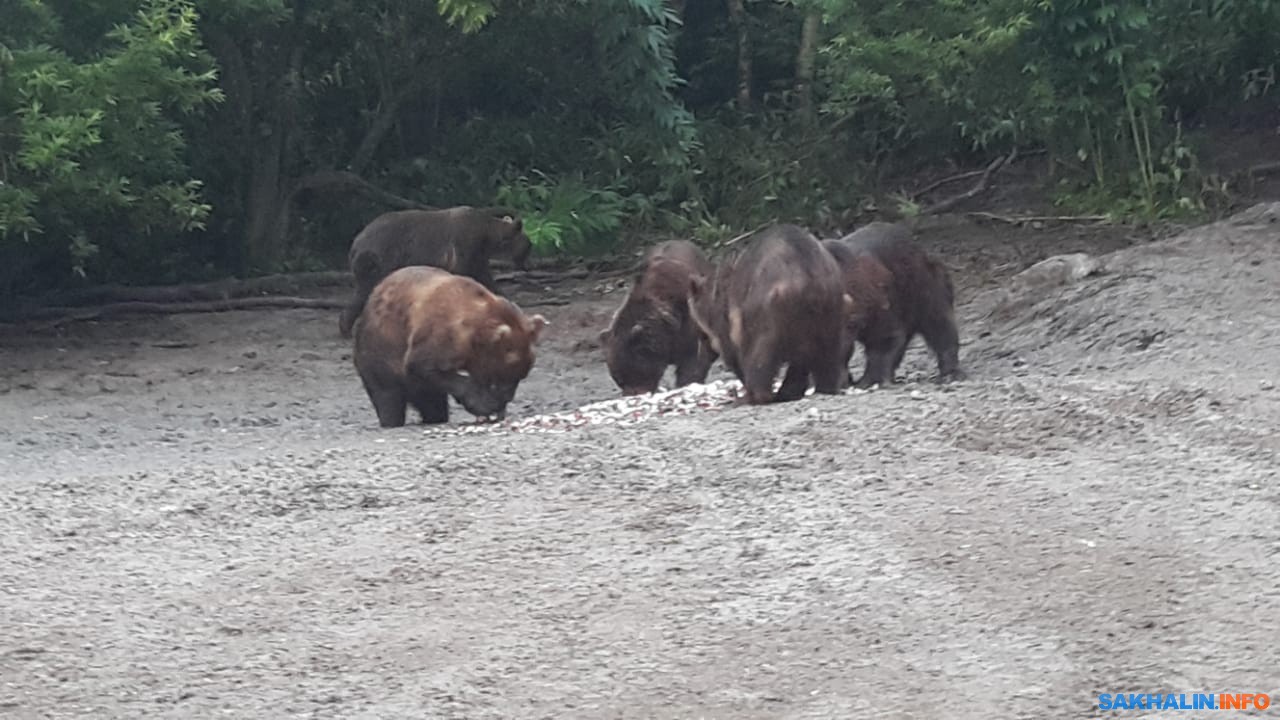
[640, 115]
[566, 216]
[91, 155]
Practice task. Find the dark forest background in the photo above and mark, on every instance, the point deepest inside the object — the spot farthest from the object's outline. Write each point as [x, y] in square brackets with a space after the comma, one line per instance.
[160, 141]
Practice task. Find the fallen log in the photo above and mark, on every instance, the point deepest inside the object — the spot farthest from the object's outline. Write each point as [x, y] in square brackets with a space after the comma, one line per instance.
[58, 316]
[281, 284]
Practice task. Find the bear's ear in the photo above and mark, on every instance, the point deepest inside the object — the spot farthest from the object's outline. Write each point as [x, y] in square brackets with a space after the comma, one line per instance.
[536, 324]
[603, 337]
[514, 224]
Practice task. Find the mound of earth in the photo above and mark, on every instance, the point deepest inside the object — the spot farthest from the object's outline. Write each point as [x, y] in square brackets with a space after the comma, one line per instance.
[1195, 300]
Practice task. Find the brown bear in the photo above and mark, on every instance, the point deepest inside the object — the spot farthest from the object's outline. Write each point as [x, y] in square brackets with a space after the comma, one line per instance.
[780, 299]
[652, 328]
[459, 239]
[426, 334]
[898, 291]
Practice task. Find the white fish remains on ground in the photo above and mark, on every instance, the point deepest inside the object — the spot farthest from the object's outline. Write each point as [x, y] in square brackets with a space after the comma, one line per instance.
[617, 411]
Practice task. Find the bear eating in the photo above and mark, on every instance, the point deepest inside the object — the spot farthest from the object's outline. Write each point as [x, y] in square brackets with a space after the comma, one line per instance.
[779, 300]
[426, 334]
[459, 240]
[652, 328]
[899, 291]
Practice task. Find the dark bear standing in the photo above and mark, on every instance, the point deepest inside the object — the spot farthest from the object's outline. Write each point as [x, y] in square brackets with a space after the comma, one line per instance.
[426, 334]
[459, 239]
[898, 291]
[779, 300]
[652, 328]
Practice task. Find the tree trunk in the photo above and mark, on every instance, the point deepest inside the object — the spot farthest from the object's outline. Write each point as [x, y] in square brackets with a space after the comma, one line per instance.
[738, 18]
[384, 121]
[269, 195]
[804, 63]
[266, 219]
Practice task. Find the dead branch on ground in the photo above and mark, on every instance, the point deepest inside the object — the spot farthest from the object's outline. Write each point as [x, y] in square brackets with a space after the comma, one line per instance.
[542, 277]
[546, 302]
[1024, 219]
[1264, 169]
[748, 233]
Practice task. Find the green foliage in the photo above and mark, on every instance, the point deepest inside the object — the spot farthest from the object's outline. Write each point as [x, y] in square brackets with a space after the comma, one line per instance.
[565, 217]
[1100, 82]
[771, 170]
[905, 75]
[470, 15]
[91, 154]
[119, 162]
[635, 36]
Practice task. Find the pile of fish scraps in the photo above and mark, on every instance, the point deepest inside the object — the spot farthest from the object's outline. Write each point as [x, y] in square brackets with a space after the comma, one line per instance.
[617, 411]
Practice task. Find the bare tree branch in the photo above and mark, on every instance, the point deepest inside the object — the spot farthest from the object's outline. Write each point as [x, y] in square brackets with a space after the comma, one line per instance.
[978, 187]
[336, 179]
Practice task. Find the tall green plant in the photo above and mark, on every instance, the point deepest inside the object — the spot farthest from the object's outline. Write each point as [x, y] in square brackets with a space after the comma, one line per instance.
[565, 216]
[1101, 55]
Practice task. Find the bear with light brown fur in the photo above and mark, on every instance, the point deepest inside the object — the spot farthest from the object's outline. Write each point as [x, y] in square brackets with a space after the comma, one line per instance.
[426, 334]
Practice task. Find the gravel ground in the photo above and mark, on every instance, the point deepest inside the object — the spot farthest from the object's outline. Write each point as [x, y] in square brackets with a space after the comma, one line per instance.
[199, 518]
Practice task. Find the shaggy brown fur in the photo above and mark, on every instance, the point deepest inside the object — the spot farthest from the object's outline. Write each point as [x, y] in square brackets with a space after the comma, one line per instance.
[459, 239]
[652, 328]
[780, 300]
[899, 292]
[426, 334]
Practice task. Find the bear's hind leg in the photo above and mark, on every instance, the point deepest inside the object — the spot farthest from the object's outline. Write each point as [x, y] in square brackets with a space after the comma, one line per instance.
[881, 353]
[694, 368]
[944, 340]
[795, 384]
[899, 352]
[433, 406]
[389, 403]
[830, 374]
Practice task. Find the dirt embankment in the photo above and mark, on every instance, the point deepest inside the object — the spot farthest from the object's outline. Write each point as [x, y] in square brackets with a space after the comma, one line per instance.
[200, 517]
